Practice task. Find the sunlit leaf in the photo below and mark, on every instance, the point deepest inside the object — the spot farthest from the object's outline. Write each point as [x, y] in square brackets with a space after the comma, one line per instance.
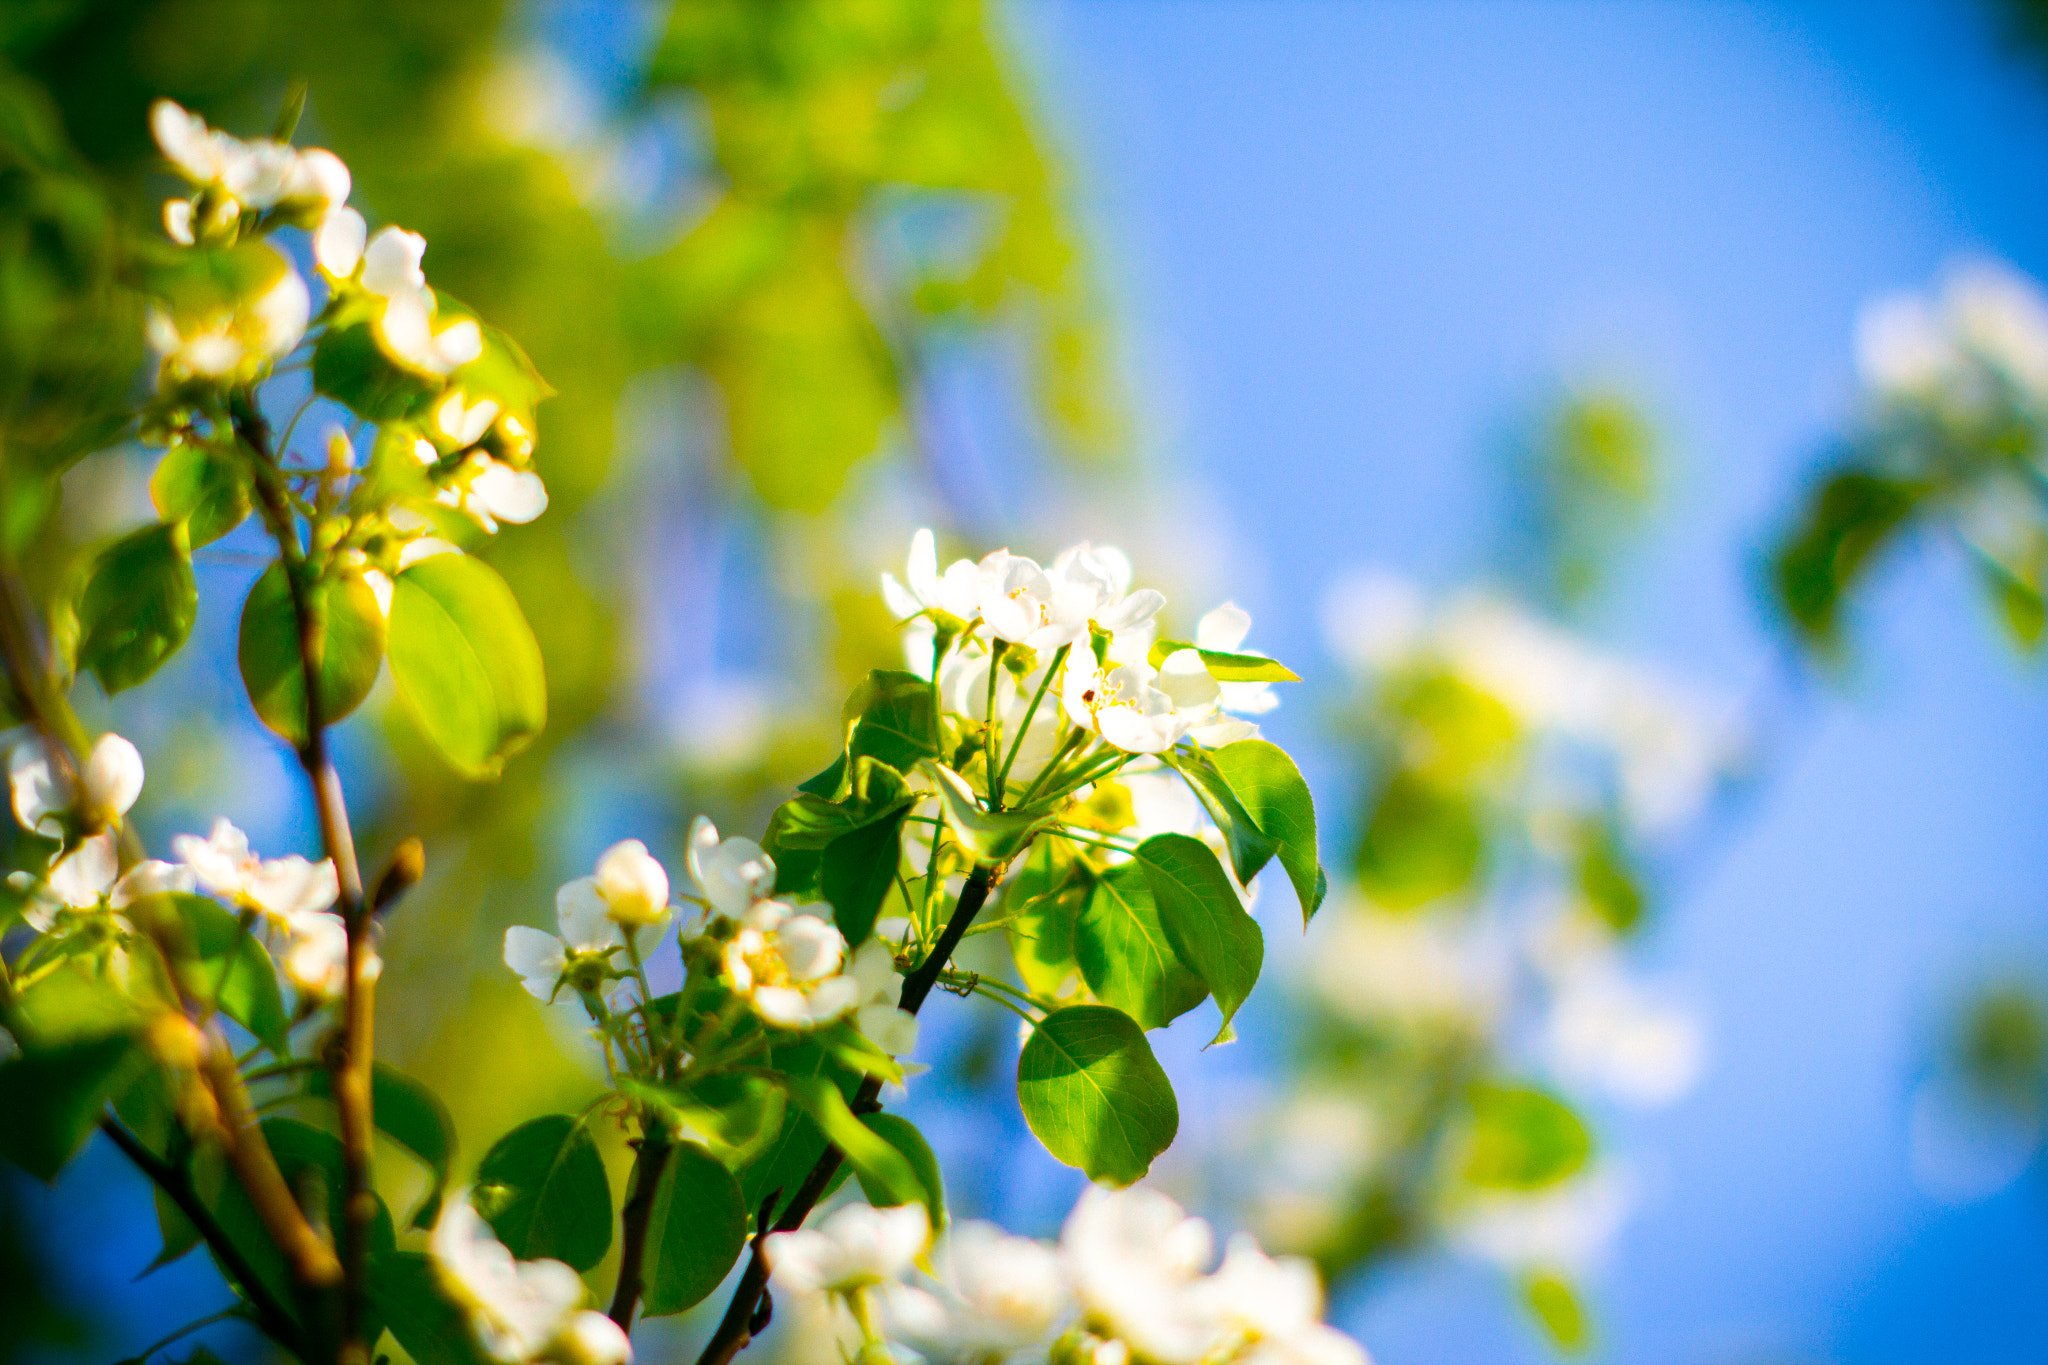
[902, 1134]
[1125, 955]
[542, 1188]
[466, 663]
[1207, 926]
[1270, 788]
[1522, 1138]
[138, 606]
[1094, 1094]
[351, 632]
[202, 487]
[696, 1230]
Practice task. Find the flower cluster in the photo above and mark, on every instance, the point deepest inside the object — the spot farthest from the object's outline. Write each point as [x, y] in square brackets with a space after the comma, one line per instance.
[1128, 1283]
[453, 399]
[1077, 629]
[84, 886]
[787, 963]
[522, 1312]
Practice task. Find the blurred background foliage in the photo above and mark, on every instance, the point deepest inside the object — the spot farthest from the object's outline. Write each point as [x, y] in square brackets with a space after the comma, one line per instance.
[751, 271]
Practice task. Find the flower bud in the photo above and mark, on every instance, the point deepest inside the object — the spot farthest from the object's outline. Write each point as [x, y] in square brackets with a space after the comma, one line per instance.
[634, 885]
[591, 1338]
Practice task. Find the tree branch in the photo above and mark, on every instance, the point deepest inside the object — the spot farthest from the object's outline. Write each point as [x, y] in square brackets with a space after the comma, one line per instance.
[270, 1314]
[743, 1315]
[352, 1065]
[647, 1168]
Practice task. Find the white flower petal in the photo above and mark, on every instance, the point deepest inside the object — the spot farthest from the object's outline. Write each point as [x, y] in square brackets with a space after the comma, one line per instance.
[113, 775]
[338, 242]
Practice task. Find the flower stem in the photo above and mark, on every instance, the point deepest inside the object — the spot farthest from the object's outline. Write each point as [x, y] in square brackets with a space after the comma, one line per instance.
[352, 1063]
[1023, 729]
[743, 1315]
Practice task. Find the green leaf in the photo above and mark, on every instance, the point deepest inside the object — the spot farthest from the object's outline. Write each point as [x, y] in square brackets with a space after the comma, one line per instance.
[1606, 880]
[466, 663]
[542, 1188]
[902, 1134]
[808, 821]
[52, 1098]
[990, 836]
[202, 487]
[412, 1116]
[891, 716]
[352, 367]
[304, 1152]
[1048, 896]
[1095, 1095]
[1224, 666]
[1522, 1138]
[859, 868]
[406, 1293]
[138, 606]
[880, 1166]
[785, 1161]
[1853, 516]
[1556, 1306]
[1204, 921]
[1250, 847]
[1125, 955]
[734, 1116]
[697, 1229]
[351, 627]
[1421, 843]
[247, 985]
[1270, 789]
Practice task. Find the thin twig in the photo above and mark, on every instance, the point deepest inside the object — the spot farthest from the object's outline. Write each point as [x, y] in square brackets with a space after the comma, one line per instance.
[270, 1314]
[352, 1067]
[743, 1316]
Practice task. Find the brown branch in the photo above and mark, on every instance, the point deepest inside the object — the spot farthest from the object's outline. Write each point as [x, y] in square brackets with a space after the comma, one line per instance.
[352, 1061]
[647, 1168]
[743, 1316]
[270, 1314]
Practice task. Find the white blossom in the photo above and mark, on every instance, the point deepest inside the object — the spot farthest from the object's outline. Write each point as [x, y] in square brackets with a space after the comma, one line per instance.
[876, 1014]
[280, 888]
[730, 874]
[151, 877]
[339, 241]
[1223, 631]
[259, 173]
[992, 1294]
[84, 876]
[407, 328]
[786, 962]
[1121, 703]
[490, 492]
[521, 1311]
[587, 930]
[1136, 1261]
[316, 959]
[110, 782]
[236, 339]
[630, 883]
[462, 422]
[855, 1247]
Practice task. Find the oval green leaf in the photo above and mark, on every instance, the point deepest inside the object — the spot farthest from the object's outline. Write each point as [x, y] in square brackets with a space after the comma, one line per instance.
[902, 1134]
[466, 663]
[699, 1228]
[203, 488]
[880, 1166]
[542, 1188]
[1125, 955]
[137, 607]
[352, 648]
[412, 1116]
[1270, 788]
[1205, 923]
[1522, 1138]
[1095, 1095]
[247, 983]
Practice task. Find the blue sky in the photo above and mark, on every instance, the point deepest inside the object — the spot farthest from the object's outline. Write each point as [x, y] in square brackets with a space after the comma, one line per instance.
[1349, 240]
